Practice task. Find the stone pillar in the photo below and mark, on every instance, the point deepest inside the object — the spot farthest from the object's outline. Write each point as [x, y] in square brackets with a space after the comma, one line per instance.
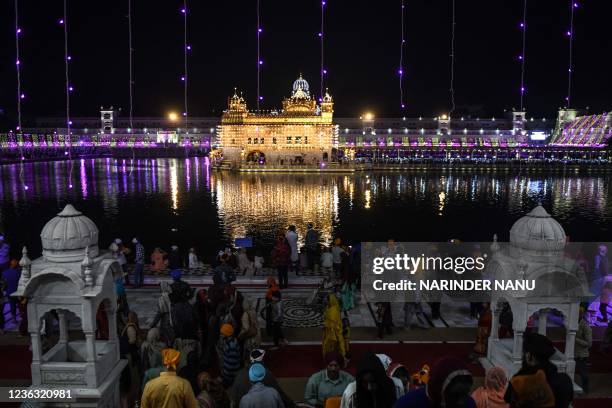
[517, 351]
[542, 320]
[36, 355]
[90, 371]
[63, 326]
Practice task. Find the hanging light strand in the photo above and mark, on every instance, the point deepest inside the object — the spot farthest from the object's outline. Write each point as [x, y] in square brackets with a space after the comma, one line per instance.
[570, 33]
[259, 60]
[186, 49]
[452, 56]
[401, 60]
[20, 96]
[131, 50]
[69, 89]
[523, 55]
[322, 38]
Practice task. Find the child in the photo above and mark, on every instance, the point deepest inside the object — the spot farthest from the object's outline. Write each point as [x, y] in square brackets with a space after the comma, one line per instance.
[327, 261]
[258, 263]
[276, 316]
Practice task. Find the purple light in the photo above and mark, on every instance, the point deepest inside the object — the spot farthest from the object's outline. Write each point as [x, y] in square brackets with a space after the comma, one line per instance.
[189, 47]
[18, 62]
[569, 33]
[61, 21]
[183, 11]
[69, 185]
[403, 106]
[575, 5]
[18, 128]
[70, 89]
[259, 30]
[22, 96]
[522, 25]
[69, 58]
[182, 78]
[70, 122]
[22, 158]
[520, 57]
[65, 153]
[320, 34]
[323, 3]
[261, 98]
[324, 71]
[400, 71]
[260, 62]
[19, 31]
[184, 113]
[26, 187]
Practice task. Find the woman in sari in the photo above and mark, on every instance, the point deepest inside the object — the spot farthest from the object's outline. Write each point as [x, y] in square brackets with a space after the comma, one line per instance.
[333, 339]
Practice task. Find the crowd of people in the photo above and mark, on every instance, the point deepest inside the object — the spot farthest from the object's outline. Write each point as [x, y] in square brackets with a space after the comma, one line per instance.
[204, 347]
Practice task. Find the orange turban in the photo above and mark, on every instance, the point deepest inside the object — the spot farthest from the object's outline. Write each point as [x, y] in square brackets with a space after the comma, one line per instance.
[227, 330]
[171, 357]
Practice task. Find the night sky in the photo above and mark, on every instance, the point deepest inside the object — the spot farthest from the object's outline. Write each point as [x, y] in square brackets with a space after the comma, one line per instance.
[362, 55]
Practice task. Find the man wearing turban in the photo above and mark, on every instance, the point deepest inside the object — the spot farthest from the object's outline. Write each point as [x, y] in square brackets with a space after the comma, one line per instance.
[169, 390]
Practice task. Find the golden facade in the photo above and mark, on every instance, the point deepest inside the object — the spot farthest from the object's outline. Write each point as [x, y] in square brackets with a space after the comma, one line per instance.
[301, 133]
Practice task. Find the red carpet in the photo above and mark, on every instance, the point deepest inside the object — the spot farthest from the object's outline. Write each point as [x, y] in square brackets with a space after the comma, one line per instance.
[15, 362]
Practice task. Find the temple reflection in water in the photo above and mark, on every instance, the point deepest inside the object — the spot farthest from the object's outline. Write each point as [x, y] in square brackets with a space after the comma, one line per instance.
[270, 203]
[182, 201]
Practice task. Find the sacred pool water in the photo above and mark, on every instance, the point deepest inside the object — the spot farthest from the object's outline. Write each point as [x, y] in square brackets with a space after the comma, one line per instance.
[185, 202]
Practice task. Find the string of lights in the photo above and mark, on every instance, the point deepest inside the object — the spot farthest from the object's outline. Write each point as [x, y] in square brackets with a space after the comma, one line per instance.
[69, 89]
[259, 60]
[523, 56]
[452, 56]
[185, 77]
[322, 38]
[131, 50]
[20, 95]
[131, 93]
[570, 33]
[401, 61]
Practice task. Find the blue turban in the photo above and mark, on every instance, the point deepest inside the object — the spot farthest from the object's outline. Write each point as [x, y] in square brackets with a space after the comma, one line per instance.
[176, 274]
[257, 372]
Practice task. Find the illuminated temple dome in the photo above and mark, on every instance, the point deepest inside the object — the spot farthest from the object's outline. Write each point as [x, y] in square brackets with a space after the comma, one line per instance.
[300, 88]
[301, 133]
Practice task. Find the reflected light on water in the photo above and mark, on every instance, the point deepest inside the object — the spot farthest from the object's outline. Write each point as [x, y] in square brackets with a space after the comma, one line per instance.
[174, 186]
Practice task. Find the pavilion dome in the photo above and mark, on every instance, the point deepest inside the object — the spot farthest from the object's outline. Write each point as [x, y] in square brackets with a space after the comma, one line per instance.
[66, 236]
[538, 230]
[301, 84]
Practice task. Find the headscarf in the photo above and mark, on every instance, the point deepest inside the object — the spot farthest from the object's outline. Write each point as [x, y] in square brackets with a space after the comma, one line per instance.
[227, 330]
[385, 360]
[257, 355]
[151, 348]
[257, 372]
[385, 394]
[442, 373]
[272, 287]
[171, 357]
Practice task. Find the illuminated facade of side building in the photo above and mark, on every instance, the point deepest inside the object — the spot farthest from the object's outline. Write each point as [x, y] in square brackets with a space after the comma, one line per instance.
[301, 133]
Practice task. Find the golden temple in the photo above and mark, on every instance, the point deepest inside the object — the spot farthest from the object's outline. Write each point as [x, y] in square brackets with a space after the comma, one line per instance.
[302, 133]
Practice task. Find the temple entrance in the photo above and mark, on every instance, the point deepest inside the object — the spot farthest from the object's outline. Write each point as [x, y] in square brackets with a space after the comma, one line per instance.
[256, 157]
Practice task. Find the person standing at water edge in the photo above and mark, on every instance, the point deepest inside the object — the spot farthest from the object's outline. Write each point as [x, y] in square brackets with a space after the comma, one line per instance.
[280, 259]
[139, 260]
[292, 239]
[312, 245]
